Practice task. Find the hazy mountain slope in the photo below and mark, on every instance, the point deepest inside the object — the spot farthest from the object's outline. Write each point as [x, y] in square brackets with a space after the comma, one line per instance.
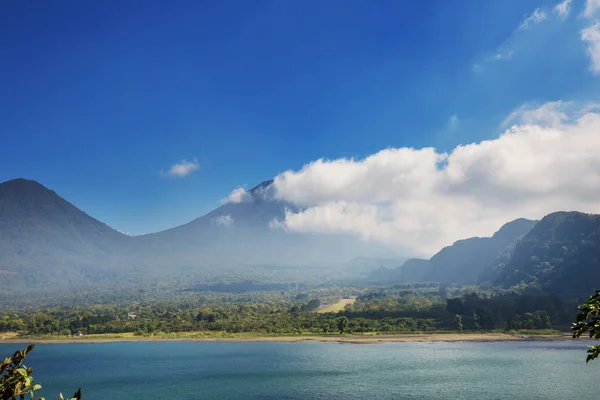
[238, 234]
[561, 254]
[466, 260]
[44, 238]
[413, 270]
[369, 264]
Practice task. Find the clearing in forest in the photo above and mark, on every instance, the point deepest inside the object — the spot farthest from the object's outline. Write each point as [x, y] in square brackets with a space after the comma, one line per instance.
[335, 307]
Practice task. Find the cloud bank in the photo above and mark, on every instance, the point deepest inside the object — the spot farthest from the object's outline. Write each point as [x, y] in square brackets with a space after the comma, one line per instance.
[181, 169]
[421, 198]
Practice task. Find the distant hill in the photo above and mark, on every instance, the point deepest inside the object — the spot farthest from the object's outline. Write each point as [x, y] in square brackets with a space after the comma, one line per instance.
[414, 270]
[372, 264]
[44, 238]
[48, 243]
[45, 241]
[561, 254]
[411, 270]
[467, 261]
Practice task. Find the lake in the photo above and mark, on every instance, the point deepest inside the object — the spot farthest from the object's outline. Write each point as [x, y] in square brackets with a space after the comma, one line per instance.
[314, 370]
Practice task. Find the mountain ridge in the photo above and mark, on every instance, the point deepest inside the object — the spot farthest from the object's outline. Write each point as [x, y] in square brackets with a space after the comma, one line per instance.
[560, 254]
[44, 238]
[465, 261]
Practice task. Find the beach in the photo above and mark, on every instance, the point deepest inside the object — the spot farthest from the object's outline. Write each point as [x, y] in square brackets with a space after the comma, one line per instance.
[358, 339]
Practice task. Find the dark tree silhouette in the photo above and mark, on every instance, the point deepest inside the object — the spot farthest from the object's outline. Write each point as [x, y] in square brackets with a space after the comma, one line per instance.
[588, 320]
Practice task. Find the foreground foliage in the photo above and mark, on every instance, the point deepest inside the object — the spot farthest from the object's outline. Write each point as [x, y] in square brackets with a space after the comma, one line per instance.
[588, 320]
[16, 381]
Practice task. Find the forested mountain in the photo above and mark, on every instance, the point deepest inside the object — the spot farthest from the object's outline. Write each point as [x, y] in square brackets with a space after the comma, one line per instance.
[561, 254]
[466, 261]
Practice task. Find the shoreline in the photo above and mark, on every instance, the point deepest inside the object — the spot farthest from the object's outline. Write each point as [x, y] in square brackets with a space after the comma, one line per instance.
[355, 339]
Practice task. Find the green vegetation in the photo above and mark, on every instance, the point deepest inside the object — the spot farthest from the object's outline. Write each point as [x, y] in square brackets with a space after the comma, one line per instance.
[559, 255]
[588, 320]
[342, 324]
[397, 309]
[16, 381]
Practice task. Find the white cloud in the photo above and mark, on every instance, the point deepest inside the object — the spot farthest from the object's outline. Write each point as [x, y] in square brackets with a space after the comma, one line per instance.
[552, 114]
[181, 169]
[591, 35]
[224, 220]
[563, 8]
[239, 195]
[535, 18]
[591, 6]
[425, 200]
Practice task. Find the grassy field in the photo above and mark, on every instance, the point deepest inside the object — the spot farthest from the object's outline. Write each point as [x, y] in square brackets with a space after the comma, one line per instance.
[8, 335]
[339, 306]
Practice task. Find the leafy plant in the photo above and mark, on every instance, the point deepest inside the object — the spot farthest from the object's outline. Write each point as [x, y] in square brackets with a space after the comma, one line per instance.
[16, 381]
[588, 320]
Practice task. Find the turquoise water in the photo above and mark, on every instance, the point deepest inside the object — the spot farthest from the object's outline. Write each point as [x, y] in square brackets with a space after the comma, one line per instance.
[197, 370]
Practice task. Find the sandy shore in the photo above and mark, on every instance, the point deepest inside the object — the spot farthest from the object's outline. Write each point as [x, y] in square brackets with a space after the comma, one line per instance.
[358, 339]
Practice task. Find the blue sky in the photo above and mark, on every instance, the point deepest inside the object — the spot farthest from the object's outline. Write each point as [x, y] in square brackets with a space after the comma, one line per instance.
[100, 99]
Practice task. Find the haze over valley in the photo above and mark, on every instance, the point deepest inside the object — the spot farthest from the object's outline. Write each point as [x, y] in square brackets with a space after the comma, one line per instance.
[47, 241]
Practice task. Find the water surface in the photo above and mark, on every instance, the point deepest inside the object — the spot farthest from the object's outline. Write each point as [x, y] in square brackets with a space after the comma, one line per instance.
[313, 370]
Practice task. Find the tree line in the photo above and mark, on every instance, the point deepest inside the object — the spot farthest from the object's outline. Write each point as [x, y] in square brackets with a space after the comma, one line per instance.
[389, 312]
